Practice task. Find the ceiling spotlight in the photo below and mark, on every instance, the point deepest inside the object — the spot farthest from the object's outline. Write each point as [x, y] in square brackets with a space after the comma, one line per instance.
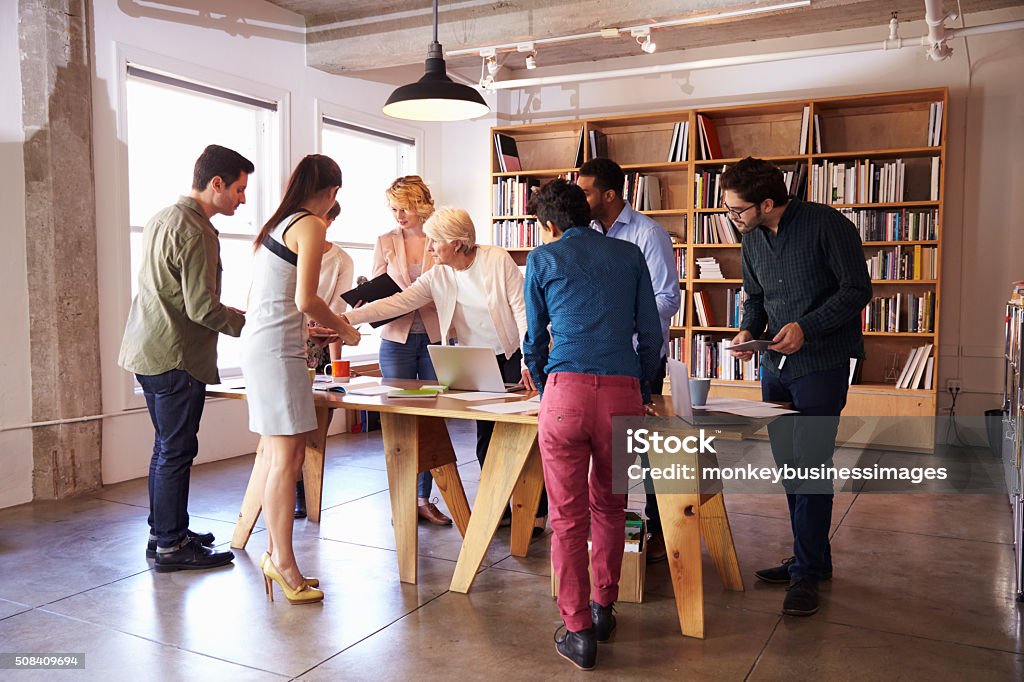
[643, 39]
[492, 65]
[531, 59]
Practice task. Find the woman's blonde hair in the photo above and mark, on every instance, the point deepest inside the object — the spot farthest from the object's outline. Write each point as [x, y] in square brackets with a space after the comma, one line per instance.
[412, 194]
[451, 224]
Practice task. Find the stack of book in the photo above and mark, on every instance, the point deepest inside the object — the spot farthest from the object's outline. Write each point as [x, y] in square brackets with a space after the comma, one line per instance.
[710, 148]
[734, 299]
[918, 370]
[894, 226]
[680, 144]
[507, 153]
[516, 234]
[681, 262]
[904, 263]
[702, 306]
[708, 268]
[642, 192]
[707, 192]
[716, 228]
[903, 312]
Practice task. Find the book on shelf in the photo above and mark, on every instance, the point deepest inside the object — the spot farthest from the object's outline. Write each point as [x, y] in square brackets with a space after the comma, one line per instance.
[935, 124]
[707, 188]
[894, 225]
[708, 268]
[680, 262]
[716, 228]
[507, 153]
[734, 299]
[711, 359]
[679, 147]
[904, 263]
[511, 196]
[804, 120]
[817, 134]
[912, 376]
[854, 366]
[516, 234]
[598, 145]
[858, 182]
[581, 149]
[796, 181]
[642, 192]
[702, 306]
[903, 312]
[710, 146]
[933, 194]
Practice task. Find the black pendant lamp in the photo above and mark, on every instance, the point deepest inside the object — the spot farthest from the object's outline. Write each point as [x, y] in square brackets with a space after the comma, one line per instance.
[435, 97]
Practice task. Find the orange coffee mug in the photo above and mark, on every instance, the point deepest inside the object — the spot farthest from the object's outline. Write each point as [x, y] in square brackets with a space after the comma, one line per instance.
[340, 370]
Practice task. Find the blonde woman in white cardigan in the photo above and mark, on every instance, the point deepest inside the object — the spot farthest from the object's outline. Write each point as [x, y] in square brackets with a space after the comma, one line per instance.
[478, 292]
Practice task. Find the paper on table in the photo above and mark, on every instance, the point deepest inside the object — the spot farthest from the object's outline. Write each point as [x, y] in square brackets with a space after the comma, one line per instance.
[719, 404]
[534, 399]
[476, 396]
[373, 389]
[758, 346]
[758, 411]
[522, 407]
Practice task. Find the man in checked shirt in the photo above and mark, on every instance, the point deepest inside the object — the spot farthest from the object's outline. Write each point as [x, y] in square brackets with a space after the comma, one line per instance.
[806, 284]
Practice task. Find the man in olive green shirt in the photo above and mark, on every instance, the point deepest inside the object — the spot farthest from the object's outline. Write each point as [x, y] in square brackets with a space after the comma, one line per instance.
[170, 343]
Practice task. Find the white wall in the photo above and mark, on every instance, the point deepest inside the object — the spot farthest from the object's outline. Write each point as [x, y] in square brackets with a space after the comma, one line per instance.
[985, 155]
[15, 408]
[267, 51]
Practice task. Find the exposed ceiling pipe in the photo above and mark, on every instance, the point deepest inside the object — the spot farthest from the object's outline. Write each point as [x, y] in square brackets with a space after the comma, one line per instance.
[699, 64]
[938, 49]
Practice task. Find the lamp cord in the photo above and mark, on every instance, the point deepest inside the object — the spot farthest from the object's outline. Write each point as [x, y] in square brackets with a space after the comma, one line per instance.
[435, 21]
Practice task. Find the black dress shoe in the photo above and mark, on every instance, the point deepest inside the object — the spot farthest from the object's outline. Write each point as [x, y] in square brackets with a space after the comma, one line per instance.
[779, 575]
[191, 556]
[579, 648]
[801, 598]
[604, 621]
[203, 538]
[300, 500]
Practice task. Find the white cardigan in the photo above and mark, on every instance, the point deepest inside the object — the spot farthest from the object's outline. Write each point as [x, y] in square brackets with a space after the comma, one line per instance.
[505, 300]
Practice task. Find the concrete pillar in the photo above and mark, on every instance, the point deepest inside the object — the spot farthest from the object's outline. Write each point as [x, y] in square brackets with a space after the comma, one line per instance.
[60, 217]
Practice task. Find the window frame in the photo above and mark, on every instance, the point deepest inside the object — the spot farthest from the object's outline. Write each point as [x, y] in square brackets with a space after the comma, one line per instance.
[201, 75]
[387, 128]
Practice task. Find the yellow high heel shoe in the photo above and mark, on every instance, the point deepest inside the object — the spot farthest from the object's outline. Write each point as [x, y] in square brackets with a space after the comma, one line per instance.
[310, 580]
[303, 594]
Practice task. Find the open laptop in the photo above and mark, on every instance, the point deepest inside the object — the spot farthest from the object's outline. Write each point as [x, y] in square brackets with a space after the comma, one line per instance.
[469, 368]
[679, 383]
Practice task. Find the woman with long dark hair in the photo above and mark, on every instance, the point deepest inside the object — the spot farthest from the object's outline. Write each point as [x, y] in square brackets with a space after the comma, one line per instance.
[286, 271]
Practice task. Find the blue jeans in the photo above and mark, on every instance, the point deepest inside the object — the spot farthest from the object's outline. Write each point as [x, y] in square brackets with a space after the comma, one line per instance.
[808, 440]
[175, 400]
[409, 360]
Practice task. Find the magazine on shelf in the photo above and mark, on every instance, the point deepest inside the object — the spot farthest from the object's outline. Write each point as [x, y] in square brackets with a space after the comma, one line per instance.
[508, 153]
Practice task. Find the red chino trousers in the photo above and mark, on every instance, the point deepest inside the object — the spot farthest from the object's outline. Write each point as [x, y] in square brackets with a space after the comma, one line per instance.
[575, 437]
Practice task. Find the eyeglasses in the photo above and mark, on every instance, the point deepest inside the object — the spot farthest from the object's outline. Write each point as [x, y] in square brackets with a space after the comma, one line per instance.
[736, 213]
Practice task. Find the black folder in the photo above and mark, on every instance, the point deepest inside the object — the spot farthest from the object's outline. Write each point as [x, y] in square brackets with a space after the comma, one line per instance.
[373, 290]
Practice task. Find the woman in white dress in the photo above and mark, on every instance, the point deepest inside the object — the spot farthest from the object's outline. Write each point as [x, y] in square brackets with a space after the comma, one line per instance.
[286, 271]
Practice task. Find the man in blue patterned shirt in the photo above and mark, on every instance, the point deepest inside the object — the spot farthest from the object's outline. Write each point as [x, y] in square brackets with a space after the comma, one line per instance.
[603, 181]
[595, 293]
[806, 284]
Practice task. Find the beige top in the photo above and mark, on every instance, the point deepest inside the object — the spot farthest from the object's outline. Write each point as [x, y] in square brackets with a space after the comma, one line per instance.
[389, 256]
[503, 284]
[177, 314]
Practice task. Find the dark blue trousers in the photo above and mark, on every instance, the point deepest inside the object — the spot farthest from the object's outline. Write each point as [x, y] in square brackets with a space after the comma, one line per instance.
[807, 440]
[175, 400]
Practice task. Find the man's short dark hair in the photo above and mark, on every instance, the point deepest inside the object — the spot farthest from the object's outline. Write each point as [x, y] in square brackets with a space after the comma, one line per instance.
[219, 161]
[606, 173]
[561, 203]
[756, 180]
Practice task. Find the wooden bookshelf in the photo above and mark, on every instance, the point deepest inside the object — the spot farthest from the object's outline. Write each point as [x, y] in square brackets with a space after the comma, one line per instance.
[878, 129]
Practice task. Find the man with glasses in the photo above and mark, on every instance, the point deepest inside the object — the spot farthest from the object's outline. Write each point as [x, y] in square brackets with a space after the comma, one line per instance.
[806, 285]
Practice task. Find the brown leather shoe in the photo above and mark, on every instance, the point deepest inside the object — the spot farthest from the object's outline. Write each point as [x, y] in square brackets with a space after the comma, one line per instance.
[428, 512]
[656, 548]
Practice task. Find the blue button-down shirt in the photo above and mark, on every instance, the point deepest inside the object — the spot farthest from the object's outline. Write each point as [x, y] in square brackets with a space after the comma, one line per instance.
[656, 246]
[596, 294]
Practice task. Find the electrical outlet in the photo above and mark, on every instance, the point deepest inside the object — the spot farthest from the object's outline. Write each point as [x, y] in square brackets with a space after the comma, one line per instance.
[953, 385]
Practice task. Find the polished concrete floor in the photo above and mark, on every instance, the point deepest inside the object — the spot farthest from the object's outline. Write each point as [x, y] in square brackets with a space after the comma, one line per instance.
[922, 591]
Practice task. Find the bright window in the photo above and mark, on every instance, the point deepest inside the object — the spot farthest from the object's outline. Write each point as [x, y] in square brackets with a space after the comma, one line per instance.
[170, 121]
[370, 161]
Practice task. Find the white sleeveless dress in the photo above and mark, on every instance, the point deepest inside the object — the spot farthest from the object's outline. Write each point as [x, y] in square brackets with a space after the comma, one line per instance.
[274, 344]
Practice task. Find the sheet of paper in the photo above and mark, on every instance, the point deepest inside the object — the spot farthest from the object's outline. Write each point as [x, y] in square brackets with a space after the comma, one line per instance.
[756, 346]
[534, 399]
[371, 389]
[758, 411]
[522, 407]
[477, 396]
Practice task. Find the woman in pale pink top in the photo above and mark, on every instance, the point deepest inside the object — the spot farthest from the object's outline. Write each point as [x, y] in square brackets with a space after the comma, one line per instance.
[402, 253]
